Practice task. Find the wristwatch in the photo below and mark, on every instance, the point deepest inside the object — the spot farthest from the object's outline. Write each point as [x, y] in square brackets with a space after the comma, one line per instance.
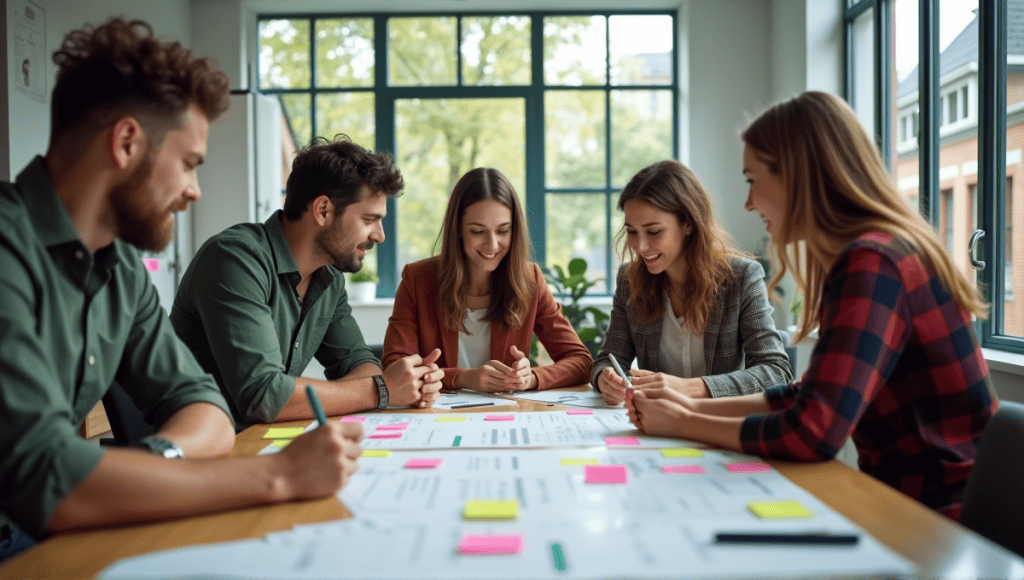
[159, 446]
[382, 392]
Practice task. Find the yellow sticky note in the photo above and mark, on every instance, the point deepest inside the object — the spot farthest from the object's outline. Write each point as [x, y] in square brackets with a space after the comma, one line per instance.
[567, 461]
[376, 453]
[282, 432]
[280, 442]
[779, 509]
[681, 452]
[494, 509]
[450, 419]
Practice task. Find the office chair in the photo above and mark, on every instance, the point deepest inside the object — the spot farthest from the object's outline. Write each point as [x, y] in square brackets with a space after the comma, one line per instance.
[377, 350]
[993, 503]
[126, 421]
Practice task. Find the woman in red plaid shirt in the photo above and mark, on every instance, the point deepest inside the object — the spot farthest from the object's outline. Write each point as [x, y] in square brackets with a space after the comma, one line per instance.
[897, 365]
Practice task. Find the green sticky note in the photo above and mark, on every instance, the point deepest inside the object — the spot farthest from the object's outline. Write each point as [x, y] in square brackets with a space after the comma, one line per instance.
[376, 453]
[283, 432]
[568, 461]
[779, 509]
[681, 452]
[492, 509]
[450, 419]
[280, 442]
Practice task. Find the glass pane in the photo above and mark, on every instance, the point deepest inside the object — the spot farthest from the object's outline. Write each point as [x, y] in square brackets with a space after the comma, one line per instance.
[344, 53]
[298, 115]
[863, 69]
[574, 138]
[1011, 322]
[348, 113]
[284, 54]
[577, 228]
[641, 49]
[574, 50]
[641, 131]
[496, 50]
[421, 51]
[958, 159]
[906, 162]
[438, 140]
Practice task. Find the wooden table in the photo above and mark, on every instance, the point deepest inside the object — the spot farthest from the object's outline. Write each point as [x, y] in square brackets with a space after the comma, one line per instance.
[941, 549]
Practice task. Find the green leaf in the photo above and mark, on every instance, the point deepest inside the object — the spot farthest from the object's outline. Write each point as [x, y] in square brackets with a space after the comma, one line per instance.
[587, 334]
[577, 266]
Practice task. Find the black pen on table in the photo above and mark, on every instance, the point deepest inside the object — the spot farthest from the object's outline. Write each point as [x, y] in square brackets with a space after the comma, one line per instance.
[467, 405]
[791, 538]
[314, 402]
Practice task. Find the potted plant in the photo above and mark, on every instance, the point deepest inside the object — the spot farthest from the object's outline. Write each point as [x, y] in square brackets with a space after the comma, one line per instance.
[590, 323]
[363, 285]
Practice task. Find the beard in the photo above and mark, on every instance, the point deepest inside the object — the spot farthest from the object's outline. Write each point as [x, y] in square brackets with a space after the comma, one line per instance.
[139, 222]
[328, 243]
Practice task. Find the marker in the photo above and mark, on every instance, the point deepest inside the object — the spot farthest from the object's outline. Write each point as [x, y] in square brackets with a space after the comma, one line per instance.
[618, 369]
[786, 538]
[314, 402]
[470, 405]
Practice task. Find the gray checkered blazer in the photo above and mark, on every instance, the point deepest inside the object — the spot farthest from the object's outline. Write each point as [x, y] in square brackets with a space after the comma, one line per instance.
[742, 328]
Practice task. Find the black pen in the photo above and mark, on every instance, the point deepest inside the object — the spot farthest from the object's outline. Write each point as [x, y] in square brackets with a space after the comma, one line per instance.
[799, 538]
[470, 405]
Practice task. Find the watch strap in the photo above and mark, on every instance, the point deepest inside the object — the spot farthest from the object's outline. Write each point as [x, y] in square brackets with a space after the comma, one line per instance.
[160, 446]
[382, 392]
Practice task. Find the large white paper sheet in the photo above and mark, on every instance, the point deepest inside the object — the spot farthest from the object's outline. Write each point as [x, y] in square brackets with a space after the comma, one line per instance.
[589, 398]
[468, 399]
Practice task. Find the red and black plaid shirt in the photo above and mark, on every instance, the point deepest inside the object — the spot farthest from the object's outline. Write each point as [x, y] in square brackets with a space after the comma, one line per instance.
[898, 366]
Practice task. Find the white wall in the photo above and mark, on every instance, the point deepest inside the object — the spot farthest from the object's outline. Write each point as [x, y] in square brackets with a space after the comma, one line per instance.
[27, 124]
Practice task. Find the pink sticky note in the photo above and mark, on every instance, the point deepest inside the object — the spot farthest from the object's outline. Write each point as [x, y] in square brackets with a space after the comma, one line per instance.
[491, 544]
[353, 419]
[423, 463]
[621, 441]
[393, 426]
[385, 435]
[579, 412]
[605, 474]
[151, 264]
[506, 417]
[752, 467]
[682, 469]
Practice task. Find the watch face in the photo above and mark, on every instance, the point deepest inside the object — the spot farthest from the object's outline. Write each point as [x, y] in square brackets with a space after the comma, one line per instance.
[162, 447]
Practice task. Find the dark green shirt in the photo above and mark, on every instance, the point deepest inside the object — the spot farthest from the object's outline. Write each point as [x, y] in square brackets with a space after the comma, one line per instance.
[71, 323]
[239, 312]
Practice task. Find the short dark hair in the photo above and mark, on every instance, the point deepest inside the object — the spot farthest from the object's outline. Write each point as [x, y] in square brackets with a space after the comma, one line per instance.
[338, 169]
[119, 68]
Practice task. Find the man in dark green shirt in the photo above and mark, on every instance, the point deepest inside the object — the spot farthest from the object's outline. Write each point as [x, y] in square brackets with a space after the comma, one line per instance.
[129, 120]
[259, 301]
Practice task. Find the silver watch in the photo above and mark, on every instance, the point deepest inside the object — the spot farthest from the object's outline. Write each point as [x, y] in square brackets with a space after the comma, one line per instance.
[159, 446]
[382, 392]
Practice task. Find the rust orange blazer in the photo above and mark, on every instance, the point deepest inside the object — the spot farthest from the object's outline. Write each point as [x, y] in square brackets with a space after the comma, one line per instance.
[415, 328]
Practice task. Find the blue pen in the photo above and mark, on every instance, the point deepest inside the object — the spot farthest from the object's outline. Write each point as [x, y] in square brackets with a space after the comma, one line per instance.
[314, 402]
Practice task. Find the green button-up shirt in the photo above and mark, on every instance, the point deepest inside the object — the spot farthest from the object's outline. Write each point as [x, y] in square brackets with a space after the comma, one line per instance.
[71, 323]
[237, 308]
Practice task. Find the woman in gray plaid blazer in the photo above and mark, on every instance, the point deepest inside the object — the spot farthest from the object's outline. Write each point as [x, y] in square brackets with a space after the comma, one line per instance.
[700, 322]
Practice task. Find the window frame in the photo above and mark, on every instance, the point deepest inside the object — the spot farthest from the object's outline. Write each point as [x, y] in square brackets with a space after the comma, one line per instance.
[537, 191]
[991, 129]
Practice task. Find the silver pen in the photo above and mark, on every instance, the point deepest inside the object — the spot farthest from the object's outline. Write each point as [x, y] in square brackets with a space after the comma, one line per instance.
[618, 369]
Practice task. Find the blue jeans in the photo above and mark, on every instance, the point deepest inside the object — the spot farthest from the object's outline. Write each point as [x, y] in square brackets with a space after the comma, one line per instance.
[13, 540]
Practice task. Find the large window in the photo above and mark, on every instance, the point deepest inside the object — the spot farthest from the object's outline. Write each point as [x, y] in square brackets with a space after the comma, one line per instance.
[956, 129]
[568, 106]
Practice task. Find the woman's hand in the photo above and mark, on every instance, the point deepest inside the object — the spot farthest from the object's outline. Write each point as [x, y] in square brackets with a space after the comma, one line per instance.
[611, 386]
[693, 388]
[659, 411]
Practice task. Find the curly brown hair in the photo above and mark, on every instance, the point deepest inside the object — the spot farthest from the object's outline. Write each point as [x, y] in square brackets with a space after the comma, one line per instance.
[120, 68]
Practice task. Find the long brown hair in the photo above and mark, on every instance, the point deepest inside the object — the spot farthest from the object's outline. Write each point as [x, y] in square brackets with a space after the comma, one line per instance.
[670, 186]
[512, 284]
[839, 189]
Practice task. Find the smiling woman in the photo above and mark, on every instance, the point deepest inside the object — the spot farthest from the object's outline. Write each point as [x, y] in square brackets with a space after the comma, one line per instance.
[481, 300]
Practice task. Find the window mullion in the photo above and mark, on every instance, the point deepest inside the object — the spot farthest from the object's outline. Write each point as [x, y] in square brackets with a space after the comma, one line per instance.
[928, 92]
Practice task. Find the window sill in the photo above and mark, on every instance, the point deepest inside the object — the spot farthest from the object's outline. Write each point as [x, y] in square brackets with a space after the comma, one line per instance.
[1007, 362]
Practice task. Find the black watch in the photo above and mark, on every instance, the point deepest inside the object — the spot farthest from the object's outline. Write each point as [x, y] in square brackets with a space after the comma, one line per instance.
[159, 446]
[382, 392]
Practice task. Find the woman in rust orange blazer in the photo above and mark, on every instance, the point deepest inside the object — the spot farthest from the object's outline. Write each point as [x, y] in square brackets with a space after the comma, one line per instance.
[481, 300]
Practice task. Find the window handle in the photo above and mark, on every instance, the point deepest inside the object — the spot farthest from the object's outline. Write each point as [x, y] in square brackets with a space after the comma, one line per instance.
[972, 247]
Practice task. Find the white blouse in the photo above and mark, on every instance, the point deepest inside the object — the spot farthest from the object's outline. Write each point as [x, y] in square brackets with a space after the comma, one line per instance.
[681, 352]
[475, 341]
